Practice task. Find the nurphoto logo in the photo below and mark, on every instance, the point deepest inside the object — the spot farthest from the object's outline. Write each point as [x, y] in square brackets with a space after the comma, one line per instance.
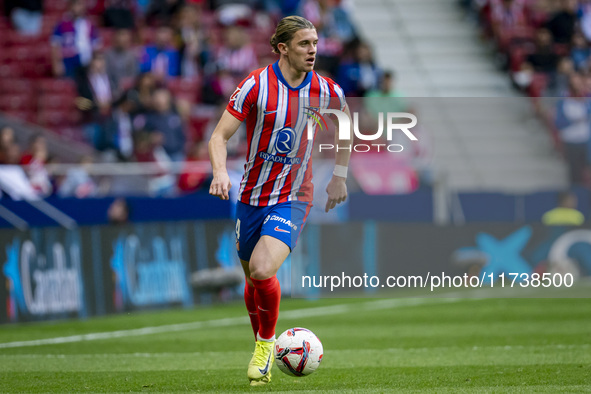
[316, 118]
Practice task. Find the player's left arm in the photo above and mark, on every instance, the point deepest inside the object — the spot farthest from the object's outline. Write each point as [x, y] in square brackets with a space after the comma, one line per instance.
[337, 187]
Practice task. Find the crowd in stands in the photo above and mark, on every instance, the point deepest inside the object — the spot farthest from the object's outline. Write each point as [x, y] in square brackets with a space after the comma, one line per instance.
[146, 80]
[545, 47]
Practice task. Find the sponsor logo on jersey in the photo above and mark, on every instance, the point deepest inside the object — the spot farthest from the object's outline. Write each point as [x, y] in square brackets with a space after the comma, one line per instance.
[280, 159]
[285, 140]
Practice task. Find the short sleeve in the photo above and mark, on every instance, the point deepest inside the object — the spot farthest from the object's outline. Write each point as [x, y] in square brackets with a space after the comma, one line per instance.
[340, 94]
[243, 98]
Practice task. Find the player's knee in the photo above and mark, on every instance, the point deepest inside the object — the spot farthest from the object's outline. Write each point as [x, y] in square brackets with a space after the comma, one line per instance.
[261, 269]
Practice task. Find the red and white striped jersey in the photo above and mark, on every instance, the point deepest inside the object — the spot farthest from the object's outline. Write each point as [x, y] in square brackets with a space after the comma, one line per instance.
[279, 157]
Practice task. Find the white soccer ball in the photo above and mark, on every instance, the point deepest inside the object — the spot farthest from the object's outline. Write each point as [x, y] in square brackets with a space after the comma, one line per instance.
[298, 352]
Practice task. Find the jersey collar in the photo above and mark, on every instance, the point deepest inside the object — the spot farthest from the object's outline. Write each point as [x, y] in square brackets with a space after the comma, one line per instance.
[279, 74]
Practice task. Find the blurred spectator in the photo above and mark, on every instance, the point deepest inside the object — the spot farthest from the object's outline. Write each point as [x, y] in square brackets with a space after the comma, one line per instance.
[96, 97]
[375, 100]
[507, 14]
[165, 119]
[580, 52]
[160, 12]
[339, 22]
[118, 212]
[122, 63]
[559, 85]
[150, 149]
[141, 95]
[543, 59]
[25, 15]
[332, 37]
[573, 120]
[193, 47]
[78, 183]
[123, 123]
[73, 41]
[562, 23]
[236, 56]
[6, 136]
[120, 13]
[566, 213]
[361, 74]
[585, 18]
[192, 177]
[9, 149]
[234, 60]
[161, 58]
[586, 88]
[10, 155]
[35, 159]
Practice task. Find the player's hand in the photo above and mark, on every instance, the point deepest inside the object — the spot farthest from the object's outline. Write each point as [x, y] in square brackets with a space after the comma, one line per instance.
[220, 186]
[337, 192]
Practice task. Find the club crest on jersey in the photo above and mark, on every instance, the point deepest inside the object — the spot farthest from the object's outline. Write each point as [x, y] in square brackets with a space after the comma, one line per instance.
[285, 140]
[314, 114]
[234, 95]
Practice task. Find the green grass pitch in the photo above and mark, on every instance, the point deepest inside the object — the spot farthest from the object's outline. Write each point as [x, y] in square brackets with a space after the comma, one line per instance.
[389, 345]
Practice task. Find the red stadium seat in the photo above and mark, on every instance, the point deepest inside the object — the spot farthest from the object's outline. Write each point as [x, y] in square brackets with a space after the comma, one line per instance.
[35, 69]
[17, 54]
[27, 116]
[17, 102]
[10, 85]
[186, 88]
[41, 53]
[61, 86]
[58, 118]
[55, 6]
[10, 70]
[106, 35]
[197, 127]
[147, 35]
[59, 102]
[13, 38]
[48, 25]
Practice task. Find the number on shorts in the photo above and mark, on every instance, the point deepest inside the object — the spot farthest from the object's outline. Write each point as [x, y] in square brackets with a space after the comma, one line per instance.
[237, 229]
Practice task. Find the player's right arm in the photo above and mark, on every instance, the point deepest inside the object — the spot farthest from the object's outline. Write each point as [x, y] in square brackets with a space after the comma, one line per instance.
[218, 153]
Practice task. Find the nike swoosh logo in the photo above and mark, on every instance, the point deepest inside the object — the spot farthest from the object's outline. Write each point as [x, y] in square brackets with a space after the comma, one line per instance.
[266, 369]
[280, 230]
[270, 112]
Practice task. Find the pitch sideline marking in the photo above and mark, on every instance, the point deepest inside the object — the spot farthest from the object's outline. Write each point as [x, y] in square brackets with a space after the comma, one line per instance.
[231, 321]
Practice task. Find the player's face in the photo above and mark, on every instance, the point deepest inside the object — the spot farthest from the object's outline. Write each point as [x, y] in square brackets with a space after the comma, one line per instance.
[302, 49]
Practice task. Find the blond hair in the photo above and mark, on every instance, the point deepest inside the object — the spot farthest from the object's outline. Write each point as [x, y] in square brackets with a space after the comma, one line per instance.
[287, 28]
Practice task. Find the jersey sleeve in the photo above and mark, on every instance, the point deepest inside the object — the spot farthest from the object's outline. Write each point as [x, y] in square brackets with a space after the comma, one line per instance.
[337, 95]
[243, 98]
[340, 95]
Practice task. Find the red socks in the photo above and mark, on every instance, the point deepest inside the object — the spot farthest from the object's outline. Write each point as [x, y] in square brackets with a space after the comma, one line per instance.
[251, 307]
[267, 297]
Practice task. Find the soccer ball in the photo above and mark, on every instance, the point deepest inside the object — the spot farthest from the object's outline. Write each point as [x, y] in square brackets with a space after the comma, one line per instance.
[298, 352]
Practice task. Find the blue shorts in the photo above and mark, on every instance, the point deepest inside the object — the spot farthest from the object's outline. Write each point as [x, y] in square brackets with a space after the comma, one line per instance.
[283, 221]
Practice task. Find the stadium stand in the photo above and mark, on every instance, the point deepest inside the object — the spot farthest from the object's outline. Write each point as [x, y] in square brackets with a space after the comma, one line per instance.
[213, 46]
[437, 52]
[544, 47]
